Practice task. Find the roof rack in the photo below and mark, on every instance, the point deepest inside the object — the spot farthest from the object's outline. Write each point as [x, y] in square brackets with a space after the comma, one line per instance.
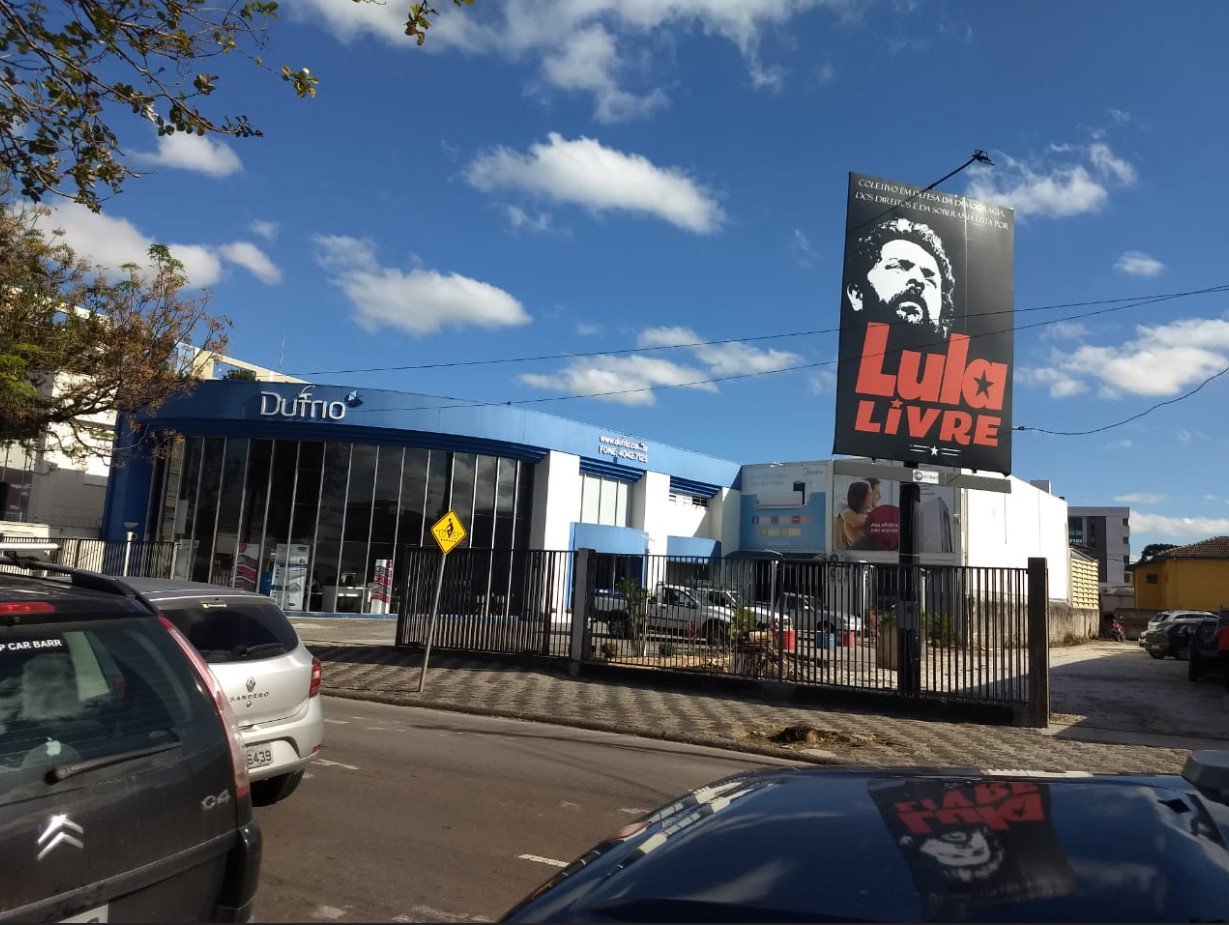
[80, 578]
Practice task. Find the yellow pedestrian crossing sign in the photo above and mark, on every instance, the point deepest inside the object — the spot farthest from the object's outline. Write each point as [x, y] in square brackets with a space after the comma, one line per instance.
[448, 531]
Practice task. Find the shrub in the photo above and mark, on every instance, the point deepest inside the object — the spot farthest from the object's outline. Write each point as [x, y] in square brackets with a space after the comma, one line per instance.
[667, 650]
[609, 650]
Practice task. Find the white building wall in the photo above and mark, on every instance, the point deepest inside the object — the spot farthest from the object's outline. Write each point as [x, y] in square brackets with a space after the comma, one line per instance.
[723, 519]
[650, 510]
[684, 517]
[1005, 530]
[556, 501]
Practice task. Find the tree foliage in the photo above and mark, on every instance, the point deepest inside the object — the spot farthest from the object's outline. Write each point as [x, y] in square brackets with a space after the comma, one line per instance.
[68, 67]
[77, 347]
[1152, 550]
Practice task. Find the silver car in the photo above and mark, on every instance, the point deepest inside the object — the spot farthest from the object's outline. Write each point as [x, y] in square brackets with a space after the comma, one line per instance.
[269, 676]
[1163, 619]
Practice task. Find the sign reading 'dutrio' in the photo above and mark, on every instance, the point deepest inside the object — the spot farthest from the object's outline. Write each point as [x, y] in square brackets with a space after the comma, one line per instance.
[926, 343]
[302, 407]
[623, 448]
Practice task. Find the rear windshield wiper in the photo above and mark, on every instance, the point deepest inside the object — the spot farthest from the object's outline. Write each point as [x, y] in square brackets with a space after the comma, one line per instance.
[64, 771]
[264, 648]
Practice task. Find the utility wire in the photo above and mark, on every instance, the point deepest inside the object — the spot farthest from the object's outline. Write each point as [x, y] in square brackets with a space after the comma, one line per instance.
[1128, 420]
[468, 403]
[1222, 287]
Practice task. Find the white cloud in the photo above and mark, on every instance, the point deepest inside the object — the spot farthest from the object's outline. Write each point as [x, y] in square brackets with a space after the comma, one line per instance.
[198, 153]
[252, 258]
[822, 381]
[1193, 528]
[520, 220]
[667, 336]
[588, 61]
[584, 172]
[1160, 360]
[578, 42]
[825, 73]
[1118, 115]
[267, 230]
[1109, 164]
[1069, 180]
[1125, 444]
[1139, 497]
[588, 329]
[802, 247]
[729, 359]
[1065, 330]
[111, 242]
[418, 302]
[618, 374]
[1137, 263]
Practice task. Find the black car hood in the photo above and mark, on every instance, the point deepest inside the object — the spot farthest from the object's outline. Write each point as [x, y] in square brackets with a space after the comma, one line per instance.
[819, 845]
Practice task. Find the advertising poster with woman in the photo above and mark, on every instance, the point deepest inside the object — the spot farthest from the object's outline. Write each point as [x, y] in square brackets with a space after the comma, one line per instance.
[866, 518]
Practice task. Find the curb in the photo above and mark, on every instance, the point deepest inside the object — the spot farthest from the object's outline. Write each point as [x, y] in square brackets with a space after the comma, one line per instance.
[730, 745]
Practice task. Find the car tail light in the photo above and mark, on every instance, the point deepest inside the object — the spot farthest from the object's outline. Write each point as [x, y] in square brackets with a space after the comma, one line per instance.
[238, 754]
[27, 607]
[315, 685]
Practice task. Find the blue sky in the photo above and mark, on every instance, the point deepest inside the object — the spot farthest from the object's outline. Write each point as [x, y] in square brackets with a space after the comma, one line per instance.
[550, 176]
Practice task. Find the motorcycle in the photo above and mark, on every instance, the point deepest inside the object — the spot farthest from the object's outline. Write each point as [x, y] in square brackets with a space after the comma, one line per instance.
[1112, 630]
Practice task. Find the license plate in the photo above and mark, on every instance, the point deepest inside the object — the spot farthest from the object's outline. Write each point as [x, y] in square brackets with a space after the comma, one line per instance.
[93, 915]
[259, 756]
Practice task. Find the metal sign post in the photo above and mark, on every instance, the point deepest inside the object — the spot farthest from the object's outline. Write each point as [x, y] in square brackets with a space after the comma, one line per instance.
[448, 533]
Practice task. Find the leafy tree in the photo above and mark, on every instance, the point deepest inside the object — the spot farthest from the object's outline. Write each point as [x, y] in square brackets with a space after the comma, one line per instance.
[1152, 550]
[77, 347]
[243, 375]
[637, 601]
[68, 67]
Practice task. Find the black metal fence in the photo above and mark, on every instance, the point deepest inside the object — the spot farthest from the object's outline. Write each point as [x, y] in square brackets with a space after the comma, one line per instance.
[822, 623]
[513, 601]
[111, 557]
[965, 638]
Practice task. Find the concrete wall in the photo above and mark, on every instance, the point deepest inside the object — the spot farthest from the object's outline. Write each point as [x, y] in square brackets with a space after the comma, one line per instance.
[556, 501]
[1191, 584]
[650, 509]
[1007, 529]
[684, 517]
[1067, 623]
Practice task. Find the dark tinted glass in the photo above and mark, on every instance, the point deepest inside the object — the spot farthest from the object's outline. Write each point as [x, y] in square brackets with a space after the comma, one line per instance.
[463, 466]
[207, 506]
[332, 512]
[230, 629]
[230, 503]
[73, 693]
[437, 487]
[413, 494]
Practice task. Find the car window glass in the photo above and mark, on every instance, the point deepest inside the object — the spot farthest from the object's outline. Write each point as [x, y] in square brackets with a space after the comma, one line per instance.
[233, 629]
[73, 695]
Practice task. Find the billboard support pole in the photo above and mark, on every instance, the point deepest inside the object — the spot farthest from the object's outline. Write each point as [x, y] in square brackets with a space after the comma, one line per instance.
[909, 643]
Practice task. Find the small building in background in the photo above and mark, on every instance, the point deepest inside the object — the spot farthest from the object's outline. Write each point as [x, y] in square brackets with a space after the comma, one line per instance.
[1193, 577]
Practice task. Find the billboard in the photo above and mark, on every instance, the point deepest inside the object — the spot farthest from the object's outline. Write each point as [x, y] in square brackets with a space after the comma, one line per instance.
[924, 373]
[784, 507]
[866, 517]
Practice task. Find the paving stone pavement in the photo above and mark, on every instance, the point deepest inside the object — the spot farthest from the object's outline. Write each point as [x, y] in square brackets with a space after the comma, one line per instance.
[546, 693]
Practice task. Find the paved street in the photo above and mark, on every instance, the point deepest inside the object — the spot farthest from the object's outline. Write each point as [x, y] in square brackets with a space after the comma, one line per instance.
[419, 815]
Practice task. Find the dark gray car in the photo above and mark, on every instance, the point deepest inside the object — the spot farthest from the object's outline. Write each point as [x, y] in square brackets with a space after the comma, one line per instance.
[123, 790]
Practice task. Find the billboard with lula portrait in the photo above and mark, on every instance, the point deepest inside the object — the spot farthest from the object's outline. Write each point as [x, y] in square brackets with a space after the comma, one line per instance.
[926, 344]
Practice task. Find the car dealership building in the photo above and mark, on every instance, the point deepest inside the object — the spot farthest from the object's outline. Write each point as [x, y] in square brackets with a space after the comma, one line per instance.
[316, 488]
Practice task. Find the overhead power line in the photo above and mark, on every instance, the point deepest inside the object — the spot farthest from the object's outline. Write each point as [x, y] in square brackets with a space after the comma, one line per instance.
[1222, 287]
[468, 403]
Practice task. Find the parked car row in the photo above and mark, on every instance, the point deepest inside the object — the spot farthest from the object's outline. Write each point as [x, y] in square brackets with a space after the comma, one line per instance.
[113, 690]
[1168, 635]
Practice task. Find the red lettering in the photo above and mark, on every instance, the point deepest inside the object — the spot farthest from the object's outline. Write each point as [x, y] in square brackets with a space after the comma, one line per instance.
[872, 380]
[953, 375]
[954, 798]
[917, 823]
[989, 792]
[892, 424]
[985, 384]
[955, 426]
[990, 816]
[987, 432]
[921, 420]
[863, 421]
[925, 387]
[966, 816]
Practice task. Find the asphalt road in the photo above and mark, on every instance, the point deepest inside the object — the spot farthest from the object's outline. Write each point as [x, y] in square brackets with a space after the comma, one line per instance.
[418, 815]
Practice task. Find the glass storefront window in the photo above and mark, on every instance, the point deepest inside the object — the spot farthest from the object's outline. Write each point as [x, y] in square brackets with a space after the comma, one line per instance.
[307, 522]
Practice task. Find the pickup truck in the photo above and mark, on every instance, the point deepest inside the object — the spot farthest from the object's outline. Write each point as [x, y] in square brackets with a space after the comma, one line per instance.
[673, 609]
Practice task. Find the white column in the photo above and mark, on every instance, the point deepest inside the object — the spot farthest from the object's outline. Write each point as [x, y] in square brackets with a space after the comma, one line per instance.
[556, 500]
[649, 509]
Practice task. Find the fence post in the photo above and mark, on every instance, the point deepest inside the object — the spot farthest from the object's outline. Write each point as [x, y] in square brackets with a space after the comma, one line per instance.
[582, 567]
[1038, 714]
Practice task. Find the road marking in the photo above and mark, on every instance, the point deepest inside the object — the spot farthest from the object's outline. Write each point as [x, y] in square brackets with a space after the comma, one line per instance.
[633, 811]
[338, 722]
[325, 762]
[328, 912]
[541, 860]
[428, 914]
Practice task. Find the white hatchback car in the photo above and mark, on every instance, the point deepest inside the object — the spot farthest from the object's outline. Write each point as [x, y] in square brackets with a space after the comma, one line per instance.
[269, 676]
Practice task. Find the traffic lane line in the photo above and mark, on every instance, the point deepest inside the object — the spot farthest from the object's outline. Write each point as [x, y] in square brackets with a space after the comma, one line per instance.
[538, 859]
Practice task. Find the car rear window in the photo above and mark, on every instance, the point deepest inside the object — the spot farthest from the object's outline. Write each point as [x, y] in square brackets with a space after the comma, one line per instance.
[72, 693]
[232, 629]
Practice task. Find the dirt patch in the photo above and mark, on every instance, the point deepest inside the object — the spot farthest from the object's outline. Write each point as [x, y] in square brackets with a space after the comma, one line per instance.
[803, 737]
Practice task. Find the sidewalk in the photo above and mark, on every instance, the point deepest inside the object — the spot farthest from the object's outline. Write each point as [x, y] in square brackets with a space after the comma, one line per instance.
[544, 692]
